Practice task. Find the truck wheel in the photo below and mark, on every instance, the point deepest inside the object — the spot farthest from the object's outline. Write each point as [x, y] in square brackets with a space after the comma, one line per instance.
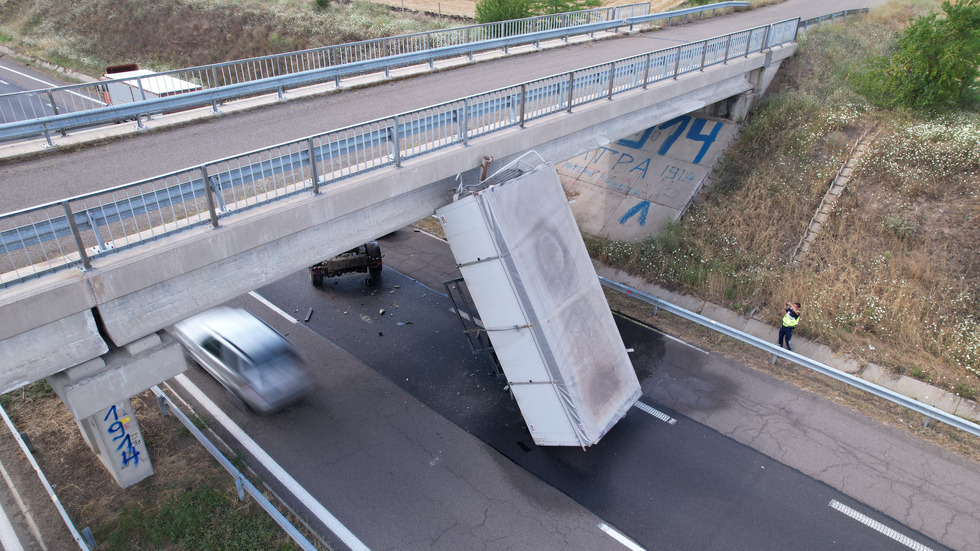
[373, 251]
[316, 278]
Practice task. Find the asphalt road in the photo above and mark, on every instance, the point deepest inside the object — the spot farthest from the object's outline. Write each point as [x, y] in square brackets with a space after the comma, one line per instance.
[144, 155]
[665, 486]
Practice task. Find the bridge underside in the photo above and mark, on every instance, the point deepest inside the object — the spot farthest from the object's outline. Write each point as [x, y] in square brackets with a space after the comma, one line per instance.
[73, 317]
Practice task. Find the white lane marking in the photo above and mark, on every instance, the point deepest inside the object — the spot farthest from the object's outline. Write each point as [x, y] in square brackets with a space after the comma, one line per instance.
[628, 543]
[272, 307]
[671, 337]
[51, 85]
[4, 82]
[875, 525]
[689, 345]
[314, 506]
[655, 412]
[8, 537]
[31, 525]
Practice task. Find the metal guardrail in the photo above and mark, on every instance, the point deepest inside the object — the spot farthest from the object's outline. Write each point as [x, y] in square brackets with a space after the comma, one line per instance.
[925, 409]
[41, 112]
[242, 483]
[72, 232]
[79, 539]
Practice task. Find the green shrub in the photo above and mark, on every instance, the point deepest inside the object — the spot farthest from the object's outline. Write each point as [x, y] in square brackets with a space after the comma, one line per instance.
[935, 65]
[489, 11]
[321, 4]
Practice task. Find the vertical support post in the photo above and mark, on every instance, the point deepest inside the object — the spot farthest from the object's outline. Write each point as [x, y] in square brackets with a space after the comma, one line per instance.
[313, 168]
[523, 101]
[728, 45]
[612, 80]
[571, 89]
[207, 193]
[646, 72]
[765, 38]
[162, 402]
[677, 62]
[704, 53]
[240, 488]
[465, 122]
[396, 130]
[78, 237]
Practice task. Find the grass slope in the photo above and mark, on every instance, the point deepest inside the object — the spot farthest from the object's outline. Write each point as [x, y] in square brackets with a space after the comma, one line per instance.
[893, 277]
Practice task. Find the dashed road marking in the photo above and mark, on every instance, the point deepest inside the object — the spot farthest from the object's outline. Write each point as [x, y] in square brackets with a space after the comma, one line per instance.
[616, 535]
[875, 525]
[272, 307]
[655, 412]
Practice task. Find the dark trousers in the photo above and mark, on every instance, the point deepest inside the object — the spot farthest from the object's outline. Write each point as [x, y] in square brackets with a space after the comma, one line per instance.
[787, 333]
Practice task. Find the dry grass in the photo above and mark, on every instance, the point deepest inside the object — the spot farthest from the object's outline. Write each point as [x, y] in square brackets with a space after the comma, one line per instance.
[119, 517]
[87, 35]
[893, 277]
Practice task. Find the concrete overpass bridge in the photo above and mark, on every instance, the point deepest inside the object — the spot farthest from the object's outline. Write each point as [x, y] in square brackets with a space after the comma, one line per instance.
[90, 283]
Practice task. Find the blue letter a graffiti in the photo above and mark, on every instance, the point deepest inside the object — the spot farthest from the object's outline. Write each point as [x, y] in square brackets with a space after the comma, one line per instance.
[642, 208]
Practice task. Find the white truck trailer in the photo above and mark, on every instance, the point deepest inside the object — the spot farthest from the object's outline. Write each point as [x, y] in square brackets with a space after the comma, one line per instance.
[531, 279]
[128, 83]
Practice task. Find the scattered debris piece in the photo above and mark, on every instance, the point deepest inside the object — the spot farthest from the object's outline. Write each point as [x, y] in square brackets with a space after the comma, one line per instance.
[381, 312]
[308, 314]
[403, 323]
[380, 334]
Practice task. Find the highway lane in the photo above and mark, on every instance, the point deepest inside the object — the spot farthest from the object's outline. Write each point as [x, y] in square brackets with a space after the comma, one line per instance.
[680, 486]
[149, 154]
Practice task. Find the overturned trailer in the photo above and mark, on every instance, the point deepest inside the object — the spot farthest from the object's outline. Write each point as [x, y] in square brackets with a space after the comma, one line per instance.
[530, 277]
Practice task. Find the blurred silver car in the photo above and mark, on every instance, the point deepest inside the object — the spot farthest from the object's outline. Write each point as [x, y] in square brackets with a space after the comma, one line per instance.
[255, 364]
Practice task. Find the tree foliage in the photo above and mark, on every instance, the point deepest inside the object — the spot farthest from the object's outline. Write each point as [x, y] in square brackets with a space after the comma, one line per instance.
[489, 11]
[935, 64]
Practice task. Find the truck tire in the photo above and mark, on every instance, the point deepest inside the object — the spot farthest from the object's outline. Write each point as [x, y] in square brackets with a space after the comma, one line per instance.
[316, 278]
[373, 251]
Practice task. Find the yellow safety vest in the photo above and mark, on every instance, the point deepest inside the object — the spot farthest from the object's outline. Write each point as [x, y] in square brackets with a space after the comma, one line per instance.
[790, 321]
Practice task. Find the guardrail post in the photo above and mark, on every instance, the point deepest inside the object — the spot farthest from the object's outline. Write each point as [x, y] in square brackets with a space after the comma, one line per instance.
[704, 53]
[54, 106]
[162, 403]
[571, 88]
[765, 39]
[523, 100]
[240, 488]
[612, 79]
[465, 122]
[396, 130]
[728, 46]
[313, 168]
[78, 236]
[646, 72]
[677, 63]
[207, 193]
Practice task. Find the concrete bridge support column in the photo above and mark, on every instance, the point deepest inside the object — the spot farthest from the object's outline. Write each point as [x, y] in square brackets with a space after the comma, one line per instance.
[98, 393]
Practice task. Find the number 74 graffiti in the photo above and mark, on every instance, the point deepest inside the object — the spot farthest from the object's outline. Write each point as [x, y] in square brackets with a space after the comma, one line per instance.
[695, 133]
[117, 429]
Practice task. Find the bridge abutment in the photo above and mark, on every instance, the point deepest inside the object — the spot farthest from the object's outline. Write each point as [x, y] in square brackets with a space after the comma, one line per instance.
[98, 394]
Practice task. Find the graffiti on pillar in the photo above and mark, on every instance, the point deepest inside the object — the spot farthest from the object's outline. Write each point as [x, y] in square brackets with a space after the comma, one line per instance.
[680, 124]
[640, 210]
[126, 446]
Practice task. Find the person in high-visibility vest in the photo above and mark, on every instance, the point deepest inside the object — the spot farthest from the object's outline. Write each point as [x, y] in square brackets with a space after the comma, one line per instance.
[790, 319]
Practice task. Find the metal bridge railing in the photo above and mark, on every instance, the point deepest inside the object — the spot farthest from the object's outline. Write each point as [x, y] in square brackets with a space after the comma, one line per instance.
[40, 112]
[73, 232]
[928, 411]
